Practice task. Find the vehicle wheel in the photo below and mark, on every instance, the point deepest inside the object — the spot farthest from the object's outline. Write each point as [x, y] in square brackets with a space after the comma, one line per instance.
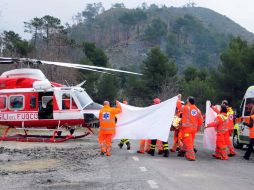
[236, 143]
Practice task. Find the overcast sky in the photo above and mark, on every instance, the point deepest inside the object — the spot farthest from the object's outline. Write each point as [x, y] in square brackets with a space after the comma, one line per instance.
[14, 12]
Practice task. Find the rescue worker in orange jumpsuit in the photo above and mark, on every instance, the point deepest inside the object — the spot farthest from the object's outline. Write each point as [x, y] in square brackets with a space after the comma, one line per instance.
[125, 141]
[176, 127]
[230, 127]
[192, 120]
[220, 125]
[162, 146]
[251, 135]
[107, 118]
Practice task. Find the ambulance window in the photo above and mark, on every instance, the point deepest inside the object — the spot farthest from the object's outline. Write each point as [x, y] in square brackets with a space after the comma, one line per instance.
[2, 103]
[240, 111]
[16, 102]
[248, 106]
[32, 102]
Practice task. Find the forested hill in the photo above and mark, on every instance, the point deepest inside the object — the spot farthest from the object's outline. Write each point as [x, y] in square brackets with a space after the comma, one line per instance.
[189, 35]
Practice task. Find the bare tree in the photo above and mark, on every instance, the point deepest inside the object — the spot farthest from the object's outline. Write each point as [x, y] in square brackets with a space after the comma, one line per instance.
[169, 88]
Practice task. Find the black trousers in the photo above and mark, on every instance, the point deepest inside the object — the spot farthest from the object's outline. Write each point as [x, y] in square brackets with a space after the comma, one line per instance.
[250, 149]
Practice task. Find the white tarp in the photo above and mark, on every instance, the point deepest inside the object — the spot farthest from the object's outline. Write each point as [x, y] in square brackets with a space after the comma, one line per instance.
[151, 122]
[209, 133]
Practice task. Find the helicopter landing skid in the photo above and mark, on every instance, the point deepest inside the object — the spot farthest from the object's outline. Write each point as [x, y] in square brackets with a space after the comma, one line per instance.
[39, 138]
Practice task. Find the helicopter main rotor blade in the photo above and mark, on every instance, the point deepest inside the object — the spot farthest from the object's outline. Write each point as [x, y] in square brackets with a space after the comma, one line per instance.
[7, 60]
[77, 67]
[88, 67]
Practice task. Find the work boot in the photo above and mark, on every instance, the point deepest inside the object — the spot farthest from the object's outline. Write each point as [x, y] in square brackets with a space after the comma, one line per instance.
[190, 159]
[166, 153]
[217, 156]
[181, 153]
[128, 145]
[246, 158]
[151, 152]
[160, 152]
[120, 145]
[195, 150]
[140, 152]
[108, 153]
[178, 149]
[102, 153]
[231, 155]
[171, 150]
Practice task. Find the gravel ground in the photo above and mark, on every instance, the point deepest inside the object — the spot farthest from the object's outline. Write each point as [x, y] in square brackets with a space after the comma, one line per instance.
[46, 165]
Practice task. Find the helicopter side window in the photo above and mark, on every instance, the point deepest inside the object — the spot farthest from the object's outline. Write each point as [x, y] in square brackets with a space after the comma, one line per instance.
[32, 102]
[16, 102]
[66, 101]
[2, 102]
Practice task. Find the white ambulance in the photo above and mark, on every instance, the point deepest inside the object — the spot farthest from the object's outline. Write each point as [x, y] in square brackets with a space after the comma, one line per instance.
[241, 132]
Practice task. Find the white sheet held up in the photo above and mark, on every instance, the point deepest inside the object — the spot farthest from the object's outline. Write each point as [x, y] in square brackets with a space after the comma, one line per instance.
[209, 133]
[151, 122]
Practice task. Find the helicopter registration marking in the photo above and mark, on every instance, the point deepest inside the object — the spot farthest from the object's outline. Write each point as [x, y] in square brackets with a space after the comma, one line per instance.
[18, 116]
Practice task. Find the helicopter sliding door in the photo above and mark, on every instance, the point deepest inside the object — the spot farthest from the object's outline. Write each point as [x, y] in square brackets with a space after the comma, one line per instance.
[45, 103]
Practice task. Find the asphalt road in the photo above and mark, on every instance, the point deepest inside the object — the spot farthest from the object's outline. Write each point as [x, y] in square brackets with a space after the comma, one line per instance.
[129, 170]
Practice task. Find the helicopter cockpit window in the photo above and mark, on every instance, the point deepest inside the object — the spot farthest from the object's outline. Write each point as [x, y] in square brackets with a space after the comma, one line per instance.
[68, 102]
[2, 103]
[16, 102]
[83, 98]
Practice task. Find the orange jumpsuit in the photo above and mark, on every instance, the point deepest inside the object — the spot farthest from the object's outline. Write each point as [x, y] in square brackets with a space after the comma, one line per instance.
[220, 125]
[177, 133]
[229, 129]
[191, 120]
[107, 127]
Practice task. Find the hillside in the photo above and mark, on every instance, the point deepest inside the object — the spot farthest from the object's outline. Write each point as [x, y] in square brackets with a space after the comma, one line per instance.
[190, 35]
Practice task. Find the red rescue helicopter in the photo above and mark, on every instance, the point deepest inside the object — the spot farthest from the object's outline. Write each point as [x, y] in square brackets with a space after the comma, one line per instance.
[29, 101]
